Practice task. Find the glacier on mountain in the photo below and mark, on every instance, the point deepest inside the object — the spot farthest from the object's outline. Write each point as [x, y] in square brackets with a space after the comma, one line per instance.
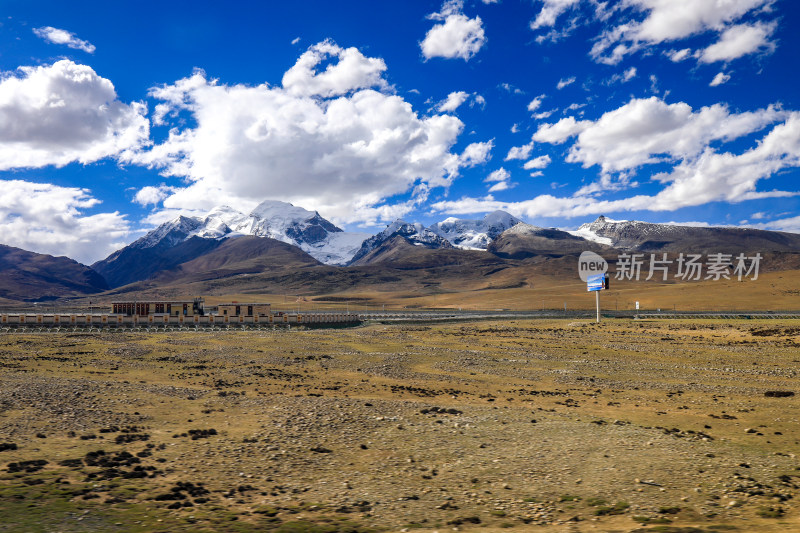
[273, 219]
[474, 234]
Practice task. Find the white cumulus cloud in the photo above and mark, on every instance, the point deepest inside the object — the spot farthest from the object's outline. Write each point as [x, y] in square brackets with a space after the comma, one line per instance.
[499, 180]
[476, 153]
[151, 195]
[719, 79]
[50, 219]
[738, 41]
[675, 20]
[623, 77]
[519, 152]
[536, 103]
[501, 186]
[352, 70]
[334, 144]
[702, 175]
[478, 100]
[63, 113]
[676, 56]
[57, 36]
[458, 36]
[453, 101]
[560, 131]
[649, 130]
[551, 9]
[564, 82]
[537, 162]
[500, 174]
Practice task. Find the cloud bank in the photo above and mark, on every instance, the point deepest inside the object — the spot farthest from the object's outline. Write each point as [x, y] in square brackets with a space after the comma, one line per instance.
[64, 113]
[647, 132]
[57, 36]
[458, 36]
[53, 220]
[333, 139]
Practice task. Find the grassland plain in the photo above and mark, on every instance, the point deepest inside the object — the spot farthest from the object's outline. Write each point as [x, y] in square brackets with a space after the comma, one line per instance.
[671, 426]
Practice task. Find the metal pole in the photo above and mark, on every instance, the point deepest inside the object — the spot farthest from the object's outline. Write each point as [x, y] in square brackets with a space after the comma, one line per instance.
[597, 299]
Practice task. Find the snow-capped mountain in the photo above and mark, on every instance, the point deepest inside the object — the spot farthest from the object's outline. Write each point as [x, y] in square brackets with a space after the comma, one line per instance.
[277, 220]
[627, 234]
[416, 234]
[524, 240]
[634, 235]
[170, 233]
[188, 237]
[450, 233]
[474, 234]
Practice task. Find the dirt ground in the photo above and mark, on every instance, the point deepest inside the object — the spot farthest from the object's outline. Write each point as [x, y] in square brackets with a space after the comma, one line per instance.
[670, 426]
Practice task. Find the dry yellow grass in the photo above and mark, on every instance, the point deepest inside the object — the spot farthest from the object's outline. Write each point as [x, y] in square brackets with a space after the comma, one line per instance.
[772, 291]
[551, 425]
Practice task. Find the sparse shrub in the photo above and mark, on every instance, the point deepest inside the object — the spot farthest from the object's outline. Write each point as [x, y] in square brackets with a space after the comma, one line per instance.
[770, 512]
[617, 508]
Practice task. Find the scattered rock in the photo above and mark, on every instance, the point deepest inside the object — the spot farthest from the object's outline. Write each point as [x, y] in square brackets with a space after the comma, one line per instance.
[321, 449]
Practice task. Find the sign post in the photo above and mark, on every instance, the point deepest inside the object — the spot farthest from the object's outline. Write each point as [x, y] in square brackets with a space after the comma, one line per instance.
[596, 283]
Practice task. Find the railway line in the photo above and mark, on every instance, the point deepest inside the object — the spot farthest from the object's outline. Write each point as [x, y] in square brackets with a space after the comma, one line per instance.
[65, 322]
[155, 322]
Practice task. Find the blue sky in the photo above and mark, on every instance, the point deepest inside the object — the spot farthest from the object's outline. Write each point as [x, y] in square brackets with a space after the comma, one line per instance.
[116, 116]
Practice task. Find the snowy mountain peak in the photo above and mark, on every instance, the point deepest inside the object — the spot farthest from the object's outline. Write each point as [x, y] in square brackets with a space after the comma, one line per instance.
[275, 210]
[603, 222]
[626, 234]
[288, 223]
[170, 233]
[522, 228]
[414, 231]
[500, 218]
[416, 234]
[474, 234]
[273, 219]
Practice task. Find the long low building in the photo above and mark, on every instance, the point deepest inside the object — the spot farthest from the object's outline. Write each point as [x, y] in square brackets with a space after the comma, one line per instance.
[188, 308]
[159, 307]
[244, 309]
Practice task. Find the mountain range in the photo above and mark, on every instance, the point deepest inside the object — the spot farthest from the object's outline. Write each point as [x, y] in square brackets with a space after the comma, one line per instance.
[28, 276]
[280, 243]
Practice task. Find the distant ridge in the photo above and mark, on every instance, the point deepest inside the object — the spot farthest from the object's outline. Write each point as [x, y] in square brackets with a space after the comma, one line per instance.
[632, 235]
[186, 238]
[28, 276]
[524, 240]
[210, 247]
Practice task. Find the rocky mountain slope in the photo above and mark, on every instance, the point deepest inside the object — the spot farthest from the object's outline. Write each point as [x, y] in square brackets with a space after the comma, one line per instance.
[524, 240]
[415, 234]
[186, 238]
[474, 234]
[28, 276]
[191, 246]
[632, 235]
[239, 256]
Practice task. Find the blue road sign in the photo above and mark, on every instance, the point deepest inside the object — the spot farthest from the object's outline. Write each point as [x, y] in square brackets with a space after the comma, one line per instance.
[596, 282]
